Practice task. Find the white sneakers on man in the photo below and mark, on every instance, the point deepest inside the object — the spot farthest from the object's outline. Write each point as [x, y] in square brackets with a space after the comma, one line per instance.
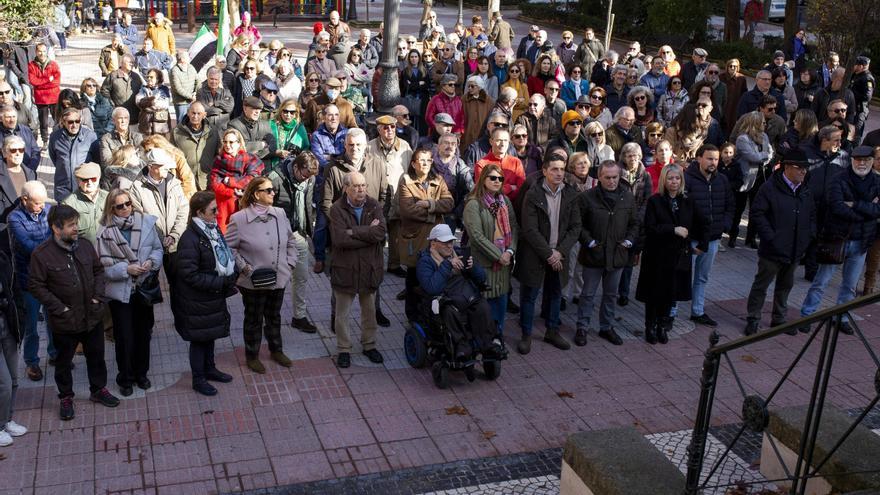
[5, 439]
[12, 429]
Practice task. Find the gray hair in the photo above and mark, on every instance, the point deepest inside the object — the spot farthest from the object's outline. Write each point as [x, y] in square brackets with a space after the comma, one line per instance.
[507, 94]
[622, 110]
[349, 177]
[367, 32]
[355, 132]
[33, 188]
[119, 111]
[619, 68]
[214, 71]
[826, 132]
[635, 91]
[612, 55]
[631, 148]
[763, 73]
[399, 110]
[539, 97]
[8, 108]
[518, 127]
[12, 141]
[128, 57]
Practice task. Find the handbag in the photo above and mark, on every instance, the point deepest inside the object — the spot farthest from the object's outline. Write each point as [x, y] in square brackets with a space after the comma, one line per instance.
[265, 278]
[148, 291]
[830, 250]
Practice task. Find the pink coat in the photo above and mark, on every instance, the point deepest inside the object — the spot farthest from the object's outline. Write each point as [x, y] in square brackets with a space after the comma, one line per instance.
[443, 103]
[261, 244]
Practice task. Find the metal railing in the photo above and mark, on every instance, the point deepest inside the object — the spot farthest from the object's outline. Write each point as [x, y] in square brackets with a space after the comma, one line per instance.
[755, 408]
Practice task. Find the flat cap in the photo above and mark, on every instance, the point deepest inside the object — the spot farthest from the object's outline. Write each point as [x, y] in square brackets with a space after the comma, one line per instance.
[88, 170]
[443, 118]
[386, 120]
[253, 102]
[862, 152]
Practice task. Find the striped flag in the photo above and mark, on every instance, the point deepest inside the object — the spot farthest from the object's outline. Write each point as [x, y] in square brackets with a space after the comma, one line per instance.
[224, 29]
[203, 49]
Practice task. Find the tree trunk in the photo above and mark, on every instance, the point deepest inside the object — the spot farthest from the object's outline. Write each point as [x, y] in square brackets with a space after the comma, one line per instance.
[791, 19]
[232, 6]
[731, 21]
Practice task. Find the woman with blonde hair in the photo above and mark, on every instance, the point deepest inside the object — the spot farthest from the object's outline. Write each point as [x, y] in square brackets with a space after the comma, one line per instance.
[238, 52]
[290, 135]
[264, 247]
[289, 86]
[517, 74]
[123, 168]
[599, 151]
[181, 167]
[234, 168]
[687, 133]
[130, 250]
[804, 128]
[754, 153]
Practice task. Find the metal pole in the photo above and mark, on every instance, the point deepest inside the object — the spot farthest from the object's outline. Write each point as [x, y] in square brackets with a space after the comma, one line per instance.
[352, 13]
[367, 6]
[608, 26]
[389, 89]
[460, 10]
[697, 448]
[190, 16]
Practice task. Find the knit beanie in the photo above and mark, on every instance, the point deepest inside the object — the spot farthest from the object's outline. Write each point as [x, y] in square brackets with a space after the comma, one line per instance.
[569, 116]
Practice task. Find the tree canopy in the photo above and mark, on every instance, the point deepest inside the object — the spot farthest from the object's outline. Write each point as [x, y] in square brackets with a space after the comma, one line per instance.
[19, 18]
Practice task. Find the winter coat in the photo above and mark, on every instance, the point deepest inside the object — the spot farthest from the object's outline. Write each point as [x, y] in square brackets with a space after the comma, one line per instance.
[539, 129]
[804, 92]
[373, 170]
[588, 53]
[734, 174]
[286, 193]
[416, 222]
[119, 283]
[443, 103]
[751, 100]
[567, 91]
[534, 247]
[501, 34]
[121, 88]
[713, 200]
[441, 68]
[102, 112]
[511, 168]
[66, 283]
[8, 195]
[240, 169]
[205, 316]
[257, 244]
[606, 226]
[67, 154]
[480, 227]
[441, 279]
[27, 231]
[476, 111]
[323, 68]
[357, 264]
[312, 114]
[415, 85]
[90, 212]
[615, 137]
[162, 35]
[396, 160]
[368, 54]
[155, 116]
[184, 83]
[258, 137]
[657, 83]
[326, 145]
[200, 151]
[665, 272]
[859, 221]
[153, 59]
[129, 35]
[105, 59]
[171, 213]
[825, 96]
[753, 158]
[31, 150]
[218, 106]
[669, 105]
[111, 141]
[45, 81]
[784, 220]
[824, 167]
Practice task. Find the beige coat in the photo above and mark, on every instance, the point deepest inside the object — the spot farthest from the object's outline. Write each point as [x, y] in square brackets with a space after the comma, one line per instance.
[396, 162]
[171, 214]
[258, 244]
[416, 222]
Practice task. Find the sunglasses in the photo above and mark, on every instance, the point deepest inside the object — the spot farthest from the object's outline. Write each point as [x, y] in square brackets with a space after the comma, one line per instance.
[676, 82]
[388, 126]
[90, 85]
[596, 134]
[713, 72]
[520, 136]
[268, 190]
[496, 178]
[16, 150]
[595, 97]
[288, 111]
[230, 141]
[656, 134]
[88, 179]
[69, 122]
[500, 125]
[640, 98]
[573, 123]
[582, 106]
[250, 68]
[285, 55]
[514, 71]
[839, 110]
[702, 105]
[314, 80]
[6, 92]
[122, 206]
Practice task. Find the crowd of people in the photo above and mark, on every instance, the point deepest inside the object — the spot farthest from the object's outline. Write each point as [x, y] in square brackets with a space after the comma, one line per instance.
[558, 164]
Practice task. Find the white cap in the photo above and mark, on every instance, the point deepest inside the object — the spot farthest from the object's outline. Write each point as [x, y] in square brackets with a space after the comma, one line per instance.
[442, 233]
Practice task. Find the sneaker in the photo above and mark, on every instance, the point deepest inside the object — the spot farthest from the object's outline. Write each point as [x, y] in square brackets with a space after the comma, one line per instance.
[34, 373]
[611, 336]
[704, 319]
[281, 358]
[204, 388]
[343, 360]
[524, 346]
[5, 439]
[216, 375]
[374, 356]
[14, 429]
[382, 320]
[303, 324]
[105, 398]
[66, 411]
[580, 337]
[255, 365]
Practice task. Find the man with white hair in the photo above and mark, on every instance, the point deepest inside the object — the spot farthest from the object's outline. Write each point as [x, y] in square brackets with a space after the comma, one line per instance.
[27, 114]
[540, 125]
[217, 99]
[395, 153]
[121, 135]
[536, 48]
[29, 227]
[71, 145]
[368, 51]
[10, 127]
[184, 84]
[624, 130]
[122, 85]
[110, 56]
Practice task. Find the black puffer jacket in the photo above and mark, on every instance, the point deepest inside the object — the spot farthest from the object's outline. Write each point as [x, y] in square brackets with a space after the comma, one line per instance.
[11, 304]
[713, 199]
[205, 316]
[823, 168]
[859, 221]
[785, 220]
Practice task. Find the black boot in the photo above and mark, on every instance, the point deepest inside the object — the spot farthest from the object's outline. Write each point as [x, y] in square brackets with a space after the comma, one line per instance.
[663, 329]
[650, 332]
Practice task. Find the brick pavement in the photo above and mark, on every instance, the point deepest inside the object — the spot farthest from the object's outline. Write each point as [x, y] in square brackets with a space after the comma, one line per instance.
[312, 422]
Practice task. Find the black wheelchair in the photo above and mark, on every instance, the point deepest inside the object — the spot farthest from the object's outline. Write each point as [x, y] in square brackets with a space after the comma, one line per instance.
[428, 341]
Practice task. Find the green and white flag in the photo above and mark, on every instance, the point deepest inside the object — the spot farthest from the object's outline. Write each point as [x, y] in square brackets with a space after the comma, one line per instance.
[224, 29]
[203, 49]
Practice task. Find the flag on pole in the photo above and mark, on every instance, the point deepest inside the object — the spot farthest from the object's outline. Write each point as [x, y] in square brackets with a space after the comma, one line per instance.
[224, 30]
[203, 49]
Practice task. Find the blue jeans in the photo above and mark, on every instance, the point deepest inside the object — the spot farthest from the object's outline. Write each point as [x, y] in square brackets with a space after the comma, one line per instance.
[31, 340]
[498, 307]
[625, 280]
[529, 295]
[319, 238]
[702, 267]
[62, 40]
[180, 110]
[856, 251]
[610, 281]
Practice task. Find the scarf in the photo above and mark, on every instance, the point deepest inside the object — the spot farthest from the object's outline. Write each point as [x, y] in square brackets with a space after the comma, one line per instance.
[224, 262]
[596, 111]
[445, 170]
[472, 65]
[502, 237]
[286, 133]
[113, 248]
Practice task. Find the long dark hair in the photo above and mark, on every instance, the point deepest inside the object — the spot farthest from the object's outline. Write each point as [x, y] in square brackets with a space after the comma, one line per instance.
[68, 95]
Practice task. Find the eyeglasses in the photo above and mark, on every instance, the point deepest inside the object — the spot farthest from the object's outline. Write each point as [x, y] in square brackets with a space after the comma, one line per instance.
[268, 190]
[596, 134]
[122, 206]
[69, 122]
[713, 72]
[88, 179]
[6, 92]
[839, 110]
[520, 136]
[554, 90]
[576, 71]
[447, 49]
[575, 123]
[91, 85]
[449, 84]
[676, 82]
[271, 91]
[285, 55]
[16, 150]
[496, 178]
[288, 111]
[595, 97]
[314, 80]
[640, 97]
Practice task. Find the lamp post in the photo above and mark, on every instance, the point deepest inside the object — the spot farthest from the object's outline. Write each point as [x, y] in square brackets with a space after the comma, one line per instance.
[460, 10]
[389, 89]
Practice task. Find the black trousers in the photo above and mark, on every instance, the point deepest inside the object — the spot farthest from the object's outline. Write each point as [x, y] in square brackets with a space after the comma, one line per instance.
[751, 232]
[93, 348]
[473, 322]
[44, 112]
[132, 331]
[262, 316]
[768, 271]
[169, 264]
[201, 359]
[740, 199]
[412, 301]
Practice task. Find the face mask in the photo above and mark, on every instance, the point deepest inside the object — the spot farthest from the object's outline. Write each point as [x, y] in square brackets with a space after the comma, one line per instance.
[332, 94]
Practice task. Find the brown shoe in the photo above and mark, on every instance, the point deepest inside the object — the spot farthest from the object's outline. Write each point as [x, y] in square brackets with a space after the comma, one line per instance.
[256, 366]
[318, 267]
[34, 373]
[281, 359]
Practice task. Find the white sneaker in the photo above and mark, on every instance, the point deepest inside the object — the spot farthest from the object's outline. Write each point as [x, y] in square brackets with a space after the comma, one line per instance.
[14, 429]
[5, 439]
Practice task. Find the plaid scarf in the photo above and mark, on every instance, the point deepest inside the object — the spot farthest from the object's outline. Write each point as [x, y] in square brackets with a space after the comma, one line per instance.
[502, 237]
[112, 245]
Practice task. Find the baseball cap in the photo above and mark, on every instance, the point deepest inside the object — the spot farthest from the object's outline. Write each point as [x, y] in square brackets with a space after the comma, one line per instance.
[442, 233]
[862, 152]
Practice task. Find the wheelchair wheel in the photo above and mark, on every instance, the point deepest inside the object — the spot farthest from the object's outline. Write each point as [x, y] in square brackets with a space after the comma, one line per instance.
[440, 374]
[415, 348]
[492, 370]
[470, 373]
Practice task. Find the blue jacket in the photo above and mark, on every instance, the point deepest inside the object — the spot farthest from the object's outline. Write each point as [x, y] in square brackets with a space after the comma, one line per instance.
[31, 150]
[67, 154]
[656, 83]
[27, 232]
[153, 59]
[129, 36]
[325, 145]
[751, 100]
[712, 198]
[614, 99]
[859, 221]
[567, 92]
[434, 278]
[102, 111]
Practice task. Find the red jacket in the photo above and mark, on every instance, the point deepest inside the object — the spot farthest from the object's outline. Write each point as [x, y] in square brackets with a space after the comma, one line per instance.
[45, 81]
[240, 169]
[511, 167]
[443, 103]
[754, 11]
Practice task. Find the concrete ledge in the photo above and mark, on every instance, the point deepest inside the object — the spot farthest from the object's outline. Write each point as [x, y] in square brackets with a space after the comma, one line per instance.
[619, 461]
[860, 451]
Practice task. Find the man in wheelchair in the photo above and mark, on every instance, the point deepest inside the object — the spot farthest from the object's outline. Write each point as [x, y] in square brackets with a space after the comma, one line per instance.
[458, 282]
